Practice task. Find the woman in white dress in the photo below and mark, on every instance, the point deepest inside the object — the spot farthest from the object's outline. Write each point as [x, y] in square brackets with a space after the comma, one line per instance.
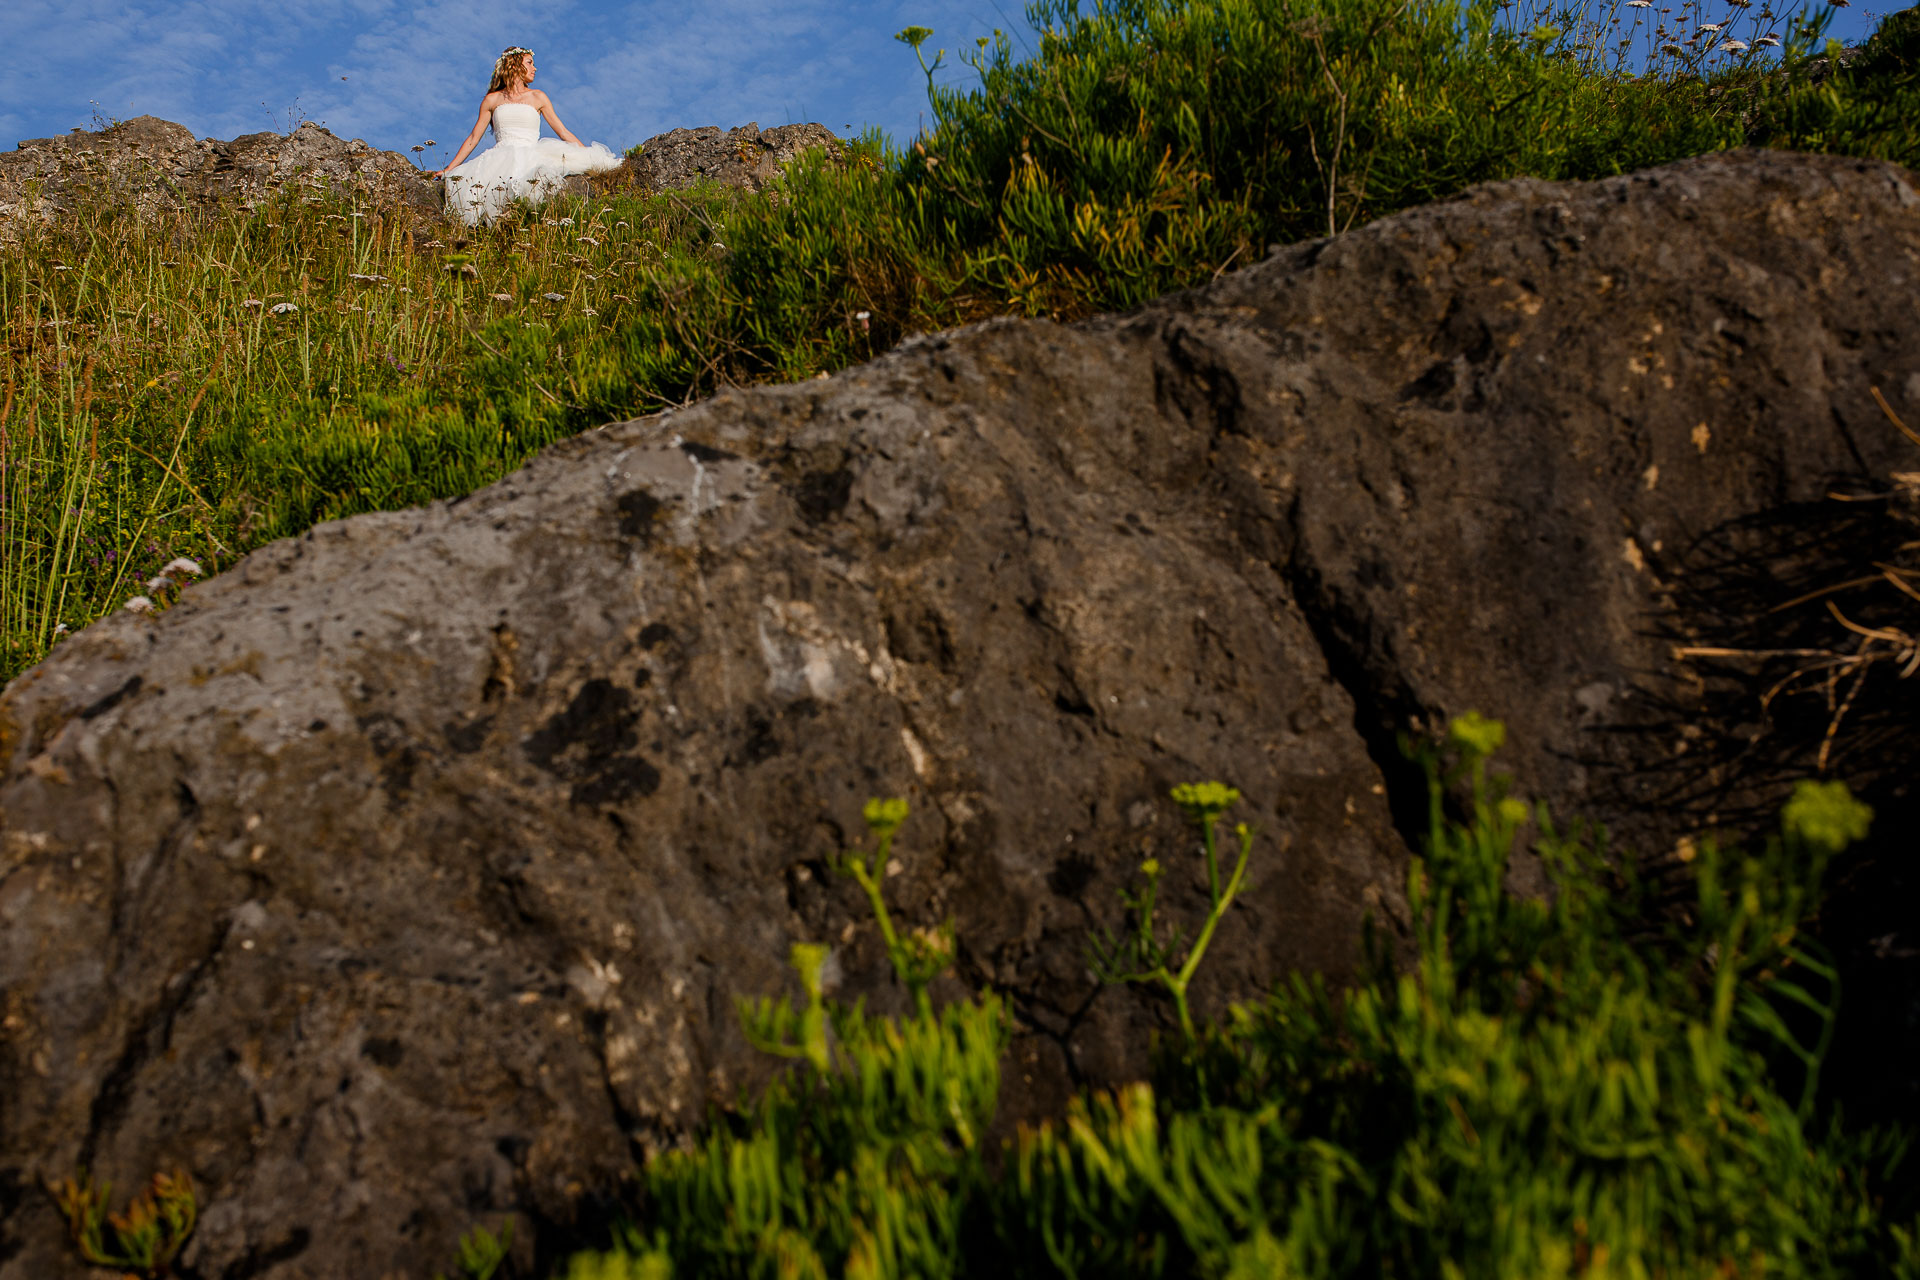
[520, 163]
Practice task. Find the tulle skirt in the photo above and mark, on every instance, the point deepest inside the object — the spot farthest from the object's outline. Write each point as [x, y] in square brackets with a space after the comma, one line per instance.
[482, 188]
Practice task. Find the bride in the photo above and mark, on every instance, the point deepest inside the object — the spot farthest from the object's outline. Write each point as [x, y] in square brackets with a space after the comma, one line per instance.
[520, 162]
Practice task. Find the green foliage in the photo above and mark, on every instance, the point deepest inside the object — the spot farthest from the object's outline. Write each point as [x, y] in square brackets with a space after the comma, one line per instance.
[144, 1238]
[1613, 1080]
[1141, 956]
[863, 1167]
[1866, 106]
[482, 1253]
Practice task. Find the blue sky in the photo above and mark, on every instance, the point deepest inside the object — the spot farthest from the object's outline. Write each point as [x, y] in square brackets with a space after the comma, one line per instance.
[401, 73]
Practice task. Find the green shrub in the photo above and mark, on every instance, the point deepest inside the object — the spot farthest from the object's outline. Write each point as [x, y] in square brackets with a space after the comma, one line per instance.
[1614, 1080]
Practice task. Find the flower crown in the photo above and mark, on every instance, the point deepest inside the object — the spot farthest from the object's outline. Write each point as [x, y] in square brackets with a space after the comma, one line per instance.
[516, 49]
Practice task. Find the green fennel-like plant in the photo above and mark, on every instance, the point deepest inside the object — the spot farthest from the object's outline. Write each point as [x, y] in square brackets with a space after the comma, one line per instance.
[1140, 956]
[145, 1237]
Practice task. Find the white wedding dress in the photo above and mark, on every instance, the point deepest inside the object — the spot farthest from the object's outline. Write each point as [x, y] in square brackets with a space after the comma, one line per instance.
[520, 163]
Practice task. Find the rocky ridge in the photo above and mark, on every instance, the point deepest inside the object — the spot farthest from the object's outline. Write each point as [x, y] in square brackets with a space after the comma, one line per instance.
[403, 876]
[158, 166]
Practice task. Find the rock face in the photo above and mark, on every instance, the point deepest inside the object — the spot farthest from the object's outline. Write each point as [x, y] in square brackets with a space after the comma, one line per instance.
[746, 157]
[158, 165]
[403, 876]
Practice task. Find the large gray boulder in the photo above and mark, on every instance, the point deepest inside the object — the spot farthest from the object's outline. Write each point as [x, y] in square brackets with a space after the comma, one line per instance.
[403, 876]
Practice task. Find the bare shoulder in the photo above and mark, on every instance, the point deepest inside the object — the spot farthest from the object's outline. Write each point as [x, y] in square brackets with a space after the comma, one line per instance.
[492, 100]
[540, 99]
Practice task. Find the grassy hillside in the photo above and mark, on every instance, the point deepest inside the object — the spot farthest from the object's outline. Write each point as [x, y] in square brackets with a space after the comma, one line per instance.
[200, 385]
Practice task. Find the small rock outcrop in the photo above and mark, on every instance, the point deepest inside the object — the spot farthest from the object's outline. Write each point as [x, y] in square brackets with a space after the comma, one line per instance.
[747, 157]
[404, 875]
[156, 165]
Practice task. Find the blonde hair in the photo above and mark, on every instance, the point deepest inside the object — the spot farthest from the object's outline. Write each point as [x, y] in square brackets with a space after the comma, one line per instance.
[509, 67]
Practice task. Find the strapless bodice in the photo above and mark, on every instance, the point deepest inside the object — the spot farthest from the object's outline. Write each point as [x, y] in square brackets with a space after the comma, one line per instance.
[516, 124]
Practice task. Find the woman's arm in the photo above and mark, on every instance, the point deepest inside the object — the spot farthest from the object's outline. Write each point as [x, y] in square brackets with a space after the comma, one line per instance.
[479, 127]
[552, 117]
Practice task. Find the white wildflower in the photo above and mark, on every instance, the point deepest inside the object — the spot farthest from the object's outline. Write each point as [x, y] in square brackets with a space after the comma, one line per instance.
[566, 222]
[249, 302]
[501, 297]
[1768, 42]
[1639, 4]
[283, 308]
[160, 583]
[1734, 46]
[139, 604]
[586, 240]
[554, 297]
[59, 267]
[180, 564]
[588, 311]
[61, 629]
[1711, 26]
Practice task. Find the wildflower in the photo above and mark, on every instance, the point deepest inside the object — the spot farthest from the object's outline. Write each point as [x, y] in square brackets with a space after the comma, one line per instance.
[1734, 46]
[159, 583]
[1639, 4]
[554, 297]
[863, 317]
[58, 267]
[249, 302]
[586, 240]
[180, 564]
[283, 308]
[1768, 42]
[1825, 815]
[1475, 733]
[1711, 26]
[588, 311]
[355, 275]
[618, 225]
[1204, 801]
[60, 629]
[139, 604]
[1671, 48]
[429, 143]
[501, 297]
[566, 222]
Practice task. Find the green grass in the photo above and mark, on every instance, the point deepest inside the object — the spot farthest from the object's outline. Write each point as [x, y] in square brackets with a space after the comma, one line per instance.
[149, 412]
